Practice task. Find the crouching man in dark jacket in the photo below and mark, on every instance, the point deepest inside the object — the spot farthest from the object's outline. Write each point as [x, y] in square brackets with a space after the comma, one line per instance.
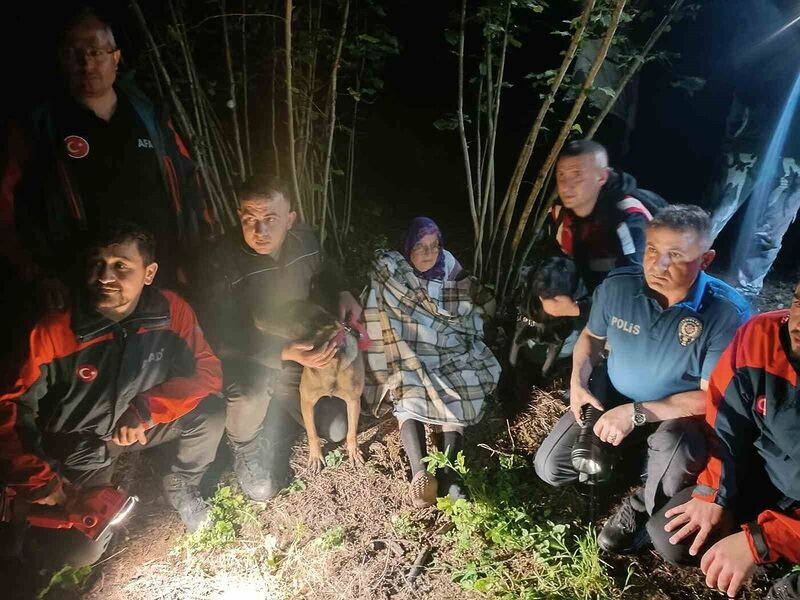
[253, 271]
[126, 368]
[745, 509]
[599, 221]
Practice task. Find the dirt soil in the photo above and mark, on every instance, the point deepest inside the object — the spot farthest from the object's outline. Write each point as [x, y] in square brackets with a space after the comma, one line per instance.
[378, 535]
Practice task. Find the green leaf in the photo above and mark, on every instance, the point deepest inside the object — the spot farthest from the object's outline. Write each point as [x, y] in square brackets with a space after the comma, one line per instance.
[298, 485]
[691, 85]
[67, 579]
[334, 458]
[446, 123]
[607, 91]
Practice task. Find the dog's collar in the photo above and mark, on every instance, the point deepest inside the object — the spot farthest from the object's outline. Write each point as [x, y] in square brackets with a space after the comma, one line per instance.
[356, 329]
[527, 320]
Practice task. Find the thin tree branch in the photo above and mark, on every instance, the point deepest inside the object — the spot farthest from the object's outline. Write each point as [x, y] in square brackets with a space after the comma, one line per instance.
[461, 127]
[564, 133]
[332, 119]
[507, 207]
[290, 109]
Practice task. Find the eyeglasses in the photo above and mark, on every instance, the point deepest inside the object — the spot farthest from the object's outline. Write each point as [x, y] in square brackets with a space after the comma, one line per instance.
[95, 55]
[421, 249]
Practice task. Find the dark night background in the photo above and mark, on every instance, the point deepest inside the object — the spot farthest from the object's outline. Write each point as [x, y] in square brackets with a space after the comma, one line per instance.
[407, 166]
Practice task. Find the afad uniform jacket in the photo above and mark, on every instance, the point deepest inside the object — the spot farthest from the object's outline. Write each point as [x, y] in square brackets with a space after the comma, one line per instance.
[40, 206]
[82, 373]
[753, 407]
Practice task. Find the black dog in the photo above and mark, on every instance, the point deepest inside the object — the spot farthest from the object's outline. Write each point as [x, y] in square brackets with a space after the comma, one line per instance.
[556, 276]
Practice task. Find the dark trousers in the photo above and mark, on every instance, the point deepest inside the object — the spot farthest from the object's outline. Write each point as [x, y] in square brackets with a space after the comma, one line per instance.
[756, 495]
[195, 435]
[675, 451]
[267, 401]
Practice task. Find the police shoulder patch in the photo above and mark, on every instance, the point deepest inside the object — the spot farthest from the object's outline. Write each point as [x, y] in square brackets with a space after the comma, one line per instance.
[689, 329]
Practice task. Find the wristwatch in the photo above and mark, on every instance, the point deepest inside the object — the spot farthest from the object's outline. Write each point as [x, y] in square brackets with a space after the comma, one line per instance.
[638, 418]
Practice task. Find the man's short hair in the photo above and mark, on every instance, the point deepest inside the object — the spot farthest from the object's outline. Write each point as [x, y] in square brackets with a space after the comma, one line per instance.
[684, 217]
[120, 232]
[264, 186]
[584, 147]
[79, 14]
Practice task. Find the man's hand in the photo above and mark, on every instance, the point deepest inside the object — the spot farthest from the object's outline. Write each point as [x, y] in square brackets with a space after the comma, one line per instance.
[54, 293]
[560, 306]
[694, 516]
[55, 498]
[129, 430]
[308, 356]
[615, 425]
[728, 564]
[578, 396]
[348, 304]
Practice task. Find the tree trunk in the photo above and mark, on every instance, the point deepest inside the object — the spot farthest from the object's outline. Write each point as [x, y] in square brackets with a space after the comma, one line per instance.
[637, 64]
[508, 206]
[564, 133]
[232, 103]
[298, 201]
[273, 117]
[332, 119]
[493, 121]
[461, 128]
[245, 94]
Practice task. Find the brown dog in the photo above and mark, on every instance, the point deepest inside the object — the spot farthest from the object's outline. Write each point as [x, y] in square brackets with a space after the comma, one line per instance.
[343, 377]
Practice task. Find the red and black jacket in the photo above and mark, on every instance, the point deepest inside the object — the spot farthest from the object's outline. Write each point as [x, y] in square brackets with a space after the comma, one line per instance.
[41, 208]
[754, 408]
[83, 372]
[612, 236]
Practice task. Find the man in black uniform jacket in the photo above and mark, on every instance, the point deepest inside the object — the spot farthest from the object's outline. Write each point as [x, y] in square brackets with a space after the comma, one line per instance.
[269, 261]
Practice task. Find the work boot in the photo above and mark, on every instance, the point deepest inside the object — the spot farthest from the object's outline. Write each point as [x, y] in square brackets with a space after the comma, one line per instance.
[785, 588]
[248, 463]
[186, 499]
[625, 531]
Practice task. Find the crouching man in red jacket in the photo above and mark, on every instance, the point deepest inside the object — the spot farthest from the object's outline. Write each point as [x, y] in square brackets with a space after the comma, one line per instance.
[126, 368]
[745, 509]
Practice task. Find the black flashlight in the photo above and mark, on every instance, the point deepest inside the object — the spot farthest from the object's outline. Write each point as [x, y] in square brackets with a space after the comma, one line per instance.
[589, 455]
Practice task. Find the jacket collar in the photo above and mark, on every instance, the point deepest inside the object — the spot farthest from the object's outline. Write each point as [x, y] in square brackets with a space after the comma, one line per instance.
[151, 312]
[694, 297]
[291, 249]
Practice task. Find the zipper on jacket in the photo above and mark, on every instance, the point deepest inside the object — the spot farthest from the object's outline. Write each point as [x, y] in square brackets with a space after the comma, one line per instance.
[122, 341]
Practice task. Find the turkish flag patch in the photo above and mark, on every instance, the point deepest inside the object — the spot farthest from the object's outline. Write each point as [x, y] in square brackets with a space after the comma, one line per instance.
[76, 146]
[86, 373]
[761, 405]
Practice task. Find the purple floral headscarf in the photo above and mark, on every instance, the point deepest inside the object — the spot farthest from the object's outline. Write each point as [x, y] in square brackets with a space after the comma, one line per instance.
[419, 228]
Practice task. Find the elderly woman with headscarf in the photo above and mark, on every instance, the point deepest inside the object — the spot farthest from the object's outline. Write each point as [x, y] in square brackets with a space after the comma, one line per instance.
[427, 357]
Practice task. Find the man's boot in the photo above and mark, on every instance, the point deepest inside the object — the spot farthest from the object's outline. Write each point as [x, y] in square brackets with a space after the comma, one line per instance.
[785, 588]
[625, 531]
[248, 463]
[185, 498]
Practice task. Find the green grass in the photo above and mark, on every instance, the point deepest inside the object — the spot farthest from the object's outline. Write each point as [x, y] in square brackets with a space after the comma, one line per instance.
[67, 580]
[331, 537]
[227, 514]
[404, 526]
[508, 544]
[334, 458]
[298, 485]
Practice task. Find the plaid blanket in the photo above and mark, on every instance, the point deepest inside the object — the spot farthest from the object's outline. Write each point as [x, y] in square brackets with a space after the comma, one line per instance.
[427, 354]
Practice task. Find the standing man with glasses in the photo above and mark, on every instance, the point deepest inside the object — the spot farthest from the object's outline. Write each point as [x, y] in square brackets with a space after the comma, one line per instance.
[95, 152]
